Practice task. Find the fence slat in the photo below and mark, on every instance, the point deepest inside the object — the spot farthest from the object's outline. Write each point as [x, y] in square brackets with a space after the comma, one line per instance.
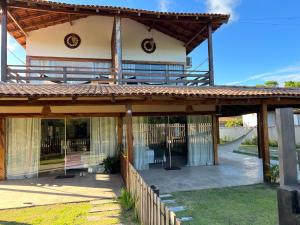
[150, 209]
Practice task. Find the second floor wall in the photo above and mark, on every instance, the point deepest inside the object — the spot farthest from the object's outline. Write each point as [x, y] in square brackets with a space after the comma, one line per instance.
[96, 34]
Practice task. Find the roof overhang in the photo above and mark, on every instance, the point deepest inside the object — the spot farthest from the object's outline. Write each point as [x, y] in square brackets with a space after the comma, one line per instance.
[29, 15]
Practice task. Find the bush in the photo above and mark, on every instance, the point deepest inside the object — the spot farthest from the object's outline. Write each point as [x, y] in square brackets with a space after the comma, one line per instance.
[225, 139]
[274, 174]
[273, 143]
[234, 123]
[126, 200]
[252, 141]
[111, 165]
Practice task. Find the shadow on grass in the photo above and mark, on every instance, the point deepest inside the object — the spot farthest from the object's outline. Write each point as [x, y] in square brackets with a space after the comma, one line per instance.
[12, 223]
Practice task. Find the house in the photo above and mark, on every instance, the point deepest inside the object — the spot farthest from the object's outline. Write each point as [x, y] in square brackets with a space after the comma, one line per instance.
[250, 120]
[102, 80]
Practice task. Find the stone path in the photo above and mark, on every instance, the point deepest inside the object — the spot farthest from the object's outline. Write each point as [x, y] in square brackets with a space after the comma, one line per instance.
[172, 205]
[106, 211]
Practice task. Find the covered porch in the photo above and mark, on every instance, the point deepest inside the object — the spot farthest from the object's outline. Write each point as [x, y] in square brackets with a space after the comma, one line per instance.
[233, 170]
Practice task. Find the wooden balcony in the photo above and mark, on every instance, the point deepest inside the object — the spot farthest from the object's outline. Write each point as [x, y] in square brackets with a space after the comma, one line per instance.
[87, 75]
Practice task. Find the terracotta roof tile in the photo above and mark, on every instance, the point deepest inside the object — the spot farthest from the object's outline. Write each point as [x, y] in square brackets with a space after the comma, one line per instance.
[83, 90]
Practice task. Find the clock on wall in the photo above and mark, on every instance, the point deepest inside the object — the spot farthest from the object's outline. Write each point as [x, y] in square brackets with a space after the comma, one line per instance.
[72, 40]
[148, 45]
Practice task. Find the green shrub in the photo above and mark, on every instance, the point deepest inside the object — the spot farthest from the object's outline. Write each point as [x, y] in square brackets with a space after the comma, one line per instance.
[234, 123]
[273, 143]
[225, 139]
[252, 141]
[274, 174]
[111, 165]
[126, 200]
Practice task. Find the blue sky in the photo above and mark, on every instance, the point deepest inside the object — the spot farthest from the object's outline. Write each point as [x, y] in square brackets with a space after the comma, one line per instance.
[261, 42]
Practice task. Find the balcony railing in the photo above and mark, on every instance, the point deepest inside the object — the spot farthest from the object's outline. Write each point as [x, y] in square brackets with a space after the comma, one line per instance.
[61, 74]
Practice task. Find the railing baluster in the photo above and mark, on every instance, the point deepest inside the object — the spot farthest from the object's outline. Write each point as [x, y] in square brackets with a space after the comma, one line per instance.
[65, 75]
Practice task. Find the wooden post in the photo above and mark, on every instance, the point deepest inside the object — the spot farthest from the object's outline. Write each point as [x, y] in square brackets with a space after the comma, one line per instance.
[2, 150]
[120, 130]
[264, 140]
[258, 129]
[215, 128]
[210, 55]
[116, 49]
[129, 134]
[286, 146]
[3, 40]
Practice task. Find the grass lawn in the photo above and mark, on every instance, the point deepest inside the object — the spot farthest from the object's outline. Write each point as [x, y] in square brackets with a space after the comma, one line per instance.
[63, 214]
[251, 150]
[244, 205]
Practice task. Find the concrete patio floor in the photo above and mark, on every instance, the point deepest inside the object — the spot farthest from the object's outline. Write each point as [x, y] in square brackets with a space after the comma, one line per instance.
[234, 169]
[47, 190]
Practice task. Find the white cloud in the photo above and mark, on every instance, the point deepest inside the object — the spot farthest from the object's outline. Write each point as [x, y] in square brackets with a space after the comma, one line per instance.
[289, 73]
[164, 5]
[223, 6]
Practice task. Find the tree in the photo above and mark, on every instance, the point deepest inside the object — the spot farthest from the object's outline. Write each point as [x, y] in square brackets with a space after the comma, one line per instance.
[271, 83]
[292, 84]
[234, 123]
[268, 83]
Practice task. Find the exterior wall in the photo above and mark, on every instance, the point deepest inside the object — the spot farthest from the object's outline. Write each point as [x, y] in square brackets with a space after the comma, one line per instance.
[96, 33]
[94, 42]
[236, 132]
[250, 120]
[168, 49]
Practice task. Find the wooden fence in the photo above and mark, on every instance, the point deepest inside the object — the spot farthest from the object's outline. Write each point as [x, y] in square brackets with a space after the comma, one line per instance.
[149, 207]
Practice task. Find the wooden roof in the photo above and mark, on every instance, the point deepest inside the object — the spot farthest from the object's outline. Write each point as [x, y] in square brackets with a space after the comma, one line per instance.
[29, 15]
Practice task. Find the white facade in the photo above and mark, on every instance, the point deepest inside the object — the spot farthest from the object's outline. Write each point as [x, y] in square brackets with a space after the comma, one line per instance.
[96, 33]
[250, 120]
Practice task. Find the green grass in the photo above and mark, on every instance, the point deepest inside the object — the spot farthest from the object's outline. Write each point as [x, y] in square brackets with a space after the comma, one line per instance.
[251, 150]
[63, 214]
[244, 205]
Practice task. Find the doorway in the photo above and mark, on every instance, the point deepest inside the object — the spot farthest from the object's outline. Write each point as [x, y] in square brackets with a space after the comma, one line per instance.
[167, 141]
[65, 145]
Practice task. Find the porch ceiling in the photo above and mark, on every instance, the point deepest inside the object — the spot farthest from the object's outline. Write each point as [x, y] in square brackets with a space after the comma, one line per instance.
[29, 15]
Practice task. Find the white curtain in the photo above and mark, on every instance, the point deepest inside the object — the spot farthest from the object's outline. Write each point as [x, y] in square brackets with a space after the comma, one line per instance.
[103, 139]
[23, 147]
[140, 142]
[200, 145]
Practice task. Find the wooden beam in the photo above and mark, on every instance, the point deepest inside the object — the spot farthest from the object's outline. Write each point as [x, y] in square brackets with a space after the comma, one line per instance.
[129, 133]
[210, 55]
[17, 23]
[264, 141]
[3, 40]
[2, 150]
[215, 132]
[195, 36]
[116, 48]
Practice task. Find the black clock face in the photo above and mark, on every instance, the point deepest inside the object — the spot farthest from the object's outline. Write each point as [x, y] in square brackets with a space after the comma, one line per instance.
[148, 45]
[72, 40]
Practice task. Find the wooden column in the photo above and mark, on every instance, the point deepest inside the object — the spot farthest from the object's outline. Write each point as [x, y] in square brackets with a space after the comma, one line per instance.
[210, 55]
[120, 131]
[264, 140]
[116, 49]
[3, 40]
[258, 129]
[129, 133]
[215, 128]
[2, 150]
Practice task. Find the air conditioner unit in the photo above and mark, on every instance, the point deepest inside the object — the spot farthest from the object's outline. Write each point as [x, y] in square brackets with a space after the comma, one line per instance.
[189, 62]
